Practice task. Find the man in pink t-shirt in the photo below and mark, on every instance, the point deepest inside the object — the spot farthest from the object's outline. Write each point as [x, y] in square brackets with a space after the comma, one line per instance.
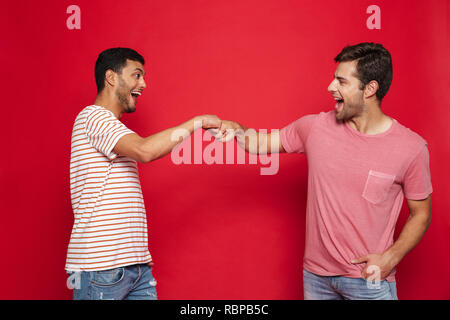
[361, 165]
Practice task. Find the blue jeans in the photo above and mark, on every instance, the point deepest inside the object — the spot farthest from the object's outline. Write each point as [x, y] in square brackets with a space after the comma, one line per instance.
[343, 288]
[133, 282]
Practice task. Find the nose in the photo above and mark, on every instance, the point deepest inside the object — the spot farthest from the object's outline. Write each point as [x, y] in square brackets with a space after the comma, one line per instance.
[332, 86]
[143, 84]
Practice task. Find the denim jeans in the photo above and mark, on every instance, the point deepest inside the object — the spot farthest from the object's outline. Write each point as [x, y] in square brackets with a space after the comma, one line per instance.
[343, 288]
[133, 282]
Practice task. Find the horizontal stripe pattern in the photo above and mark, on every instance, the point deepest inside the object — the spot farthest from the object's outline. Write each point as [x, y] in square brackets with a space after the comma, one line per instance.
[110, 224]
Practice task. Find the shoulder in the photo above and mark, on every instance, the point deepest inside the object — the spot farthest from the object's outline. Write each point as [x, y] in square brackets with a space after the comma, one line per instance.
[98, 110]
[314, 117]
[97, 114]
[326, 119]
[409, 136]
[410, 142]
[89, 111]
[328, 116]
[93, 117]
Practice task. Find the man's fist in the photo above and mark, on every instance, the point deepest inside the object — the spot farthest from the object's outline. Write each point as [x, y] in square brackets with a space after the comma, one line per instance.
[227, 131]
[209, 121]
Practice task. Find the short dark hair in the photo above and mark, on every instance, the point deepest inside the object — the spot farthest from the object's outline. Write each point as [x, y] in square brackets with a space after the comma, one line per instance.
[373, 63]
[113, 59]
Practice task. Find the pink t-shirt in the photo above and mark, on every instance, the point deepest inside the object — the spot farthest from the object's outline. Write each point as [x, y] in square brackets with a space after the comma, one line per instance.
[356, 186]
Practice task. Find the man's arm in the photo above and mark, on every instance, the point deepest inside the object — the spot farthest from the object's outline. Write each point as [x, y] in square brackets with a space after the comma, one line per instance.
[253, 141]
[158, 145]
[417, 224]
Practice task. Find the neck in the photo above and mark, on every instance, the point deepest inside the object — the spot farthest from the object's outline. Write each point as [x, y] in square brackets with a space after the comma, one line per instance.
[109, 101]
[371, 120]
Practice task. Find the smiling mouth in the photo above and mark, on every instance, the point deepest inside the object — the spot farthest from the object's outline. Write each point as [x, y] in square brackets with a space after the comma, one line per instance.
[339, 104]
[135, 95]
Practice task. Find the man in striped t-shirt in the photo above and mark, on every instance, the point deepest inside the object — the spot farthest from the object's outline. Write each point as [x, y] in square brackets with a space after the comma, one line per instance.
[108, 256]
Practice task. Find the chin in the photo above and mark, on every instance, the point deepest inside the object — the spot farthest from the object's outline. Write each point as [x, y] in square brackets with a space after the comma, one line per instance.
[130, 109]
[345, 115]
[339, 117]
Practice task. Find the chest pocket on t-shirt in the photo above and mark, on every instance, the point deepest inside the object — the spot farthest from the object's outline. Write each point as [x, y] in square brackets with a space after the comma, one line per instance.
[377, 186]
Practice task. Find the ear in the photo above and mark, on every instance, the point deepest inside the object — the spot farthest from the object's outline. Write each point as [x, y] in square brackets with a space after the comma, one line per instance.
[371, 89]
[110, 77]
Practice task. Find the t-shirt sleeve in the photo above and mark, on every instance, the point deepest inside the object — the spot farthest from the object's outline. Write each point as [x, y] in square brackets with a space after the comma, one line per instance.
[294, 136]
[417, 181]
[103, 130]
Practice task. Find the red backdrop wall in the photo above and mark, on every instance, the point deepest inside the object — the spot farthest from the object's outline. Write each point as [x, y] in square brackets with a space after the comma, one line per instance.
[216, 231]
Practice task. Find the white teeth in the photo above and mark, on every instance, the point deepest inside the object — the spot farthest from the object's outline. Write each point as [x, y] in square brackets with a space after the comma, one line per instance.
[136, 92]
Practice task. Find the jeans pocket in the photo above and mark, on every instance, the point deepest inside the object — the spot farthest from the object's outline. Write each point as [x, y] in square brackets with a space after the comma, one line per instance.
[377, 186]
[107, 278]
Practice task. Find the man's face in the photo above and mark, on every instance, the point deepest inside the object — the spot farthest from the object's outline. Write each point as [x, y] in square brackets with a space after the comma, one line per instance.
[130, 85]
[345, 89]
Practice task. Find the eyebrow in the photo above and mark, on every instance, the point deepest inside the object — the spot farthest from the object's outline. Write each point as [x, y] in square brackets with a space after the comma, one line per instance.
[340, 78]
[139, 69]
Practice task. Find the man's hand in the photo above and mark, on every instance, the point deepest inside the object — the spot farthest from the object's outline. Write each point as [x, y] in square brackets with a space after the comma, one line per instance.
[418, 221]
[227, 131]
[229, 125]
[248, 139]
[385, 262]
[208, 121]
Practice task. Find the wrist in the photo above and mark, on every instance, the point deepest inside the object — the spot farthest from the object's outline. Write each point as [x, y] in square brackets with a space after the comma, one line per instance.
[238, 126]
[235, 126]
[196, 123]
[392, 256]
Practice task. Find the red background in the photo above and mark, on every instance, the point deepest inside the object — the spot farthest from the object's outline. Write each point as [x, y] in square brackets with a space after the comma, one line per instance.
[216, 231]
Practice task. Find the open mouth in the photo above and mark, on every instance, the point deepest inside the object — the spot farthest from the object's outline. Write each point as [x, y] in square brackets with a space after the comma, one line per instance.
[339, 104]
[135, 95]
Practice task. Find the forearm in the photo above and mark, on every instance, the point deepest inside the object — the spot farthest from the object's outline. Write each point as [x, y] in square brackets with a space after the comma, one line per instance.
[410, 236]
[160, 144]
[417, 224]
[247, 138]
[253, 141]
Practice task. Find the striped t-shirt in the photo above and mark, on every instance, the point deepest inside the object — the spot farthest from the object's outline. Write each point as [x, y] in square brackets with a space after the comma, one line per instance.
[110, 225]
